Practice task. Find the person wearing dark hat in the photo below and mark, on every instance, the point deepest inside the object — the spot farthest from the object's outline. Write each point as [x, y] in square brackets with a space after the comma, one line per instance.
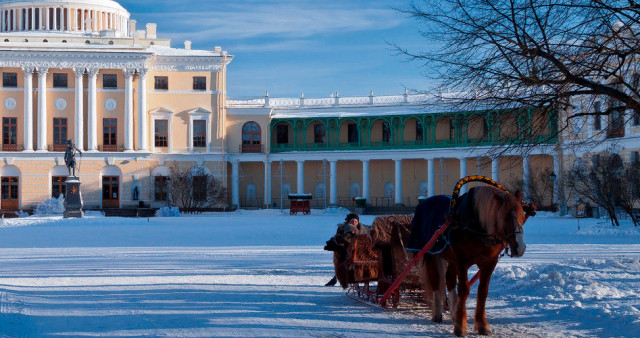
[345, 234]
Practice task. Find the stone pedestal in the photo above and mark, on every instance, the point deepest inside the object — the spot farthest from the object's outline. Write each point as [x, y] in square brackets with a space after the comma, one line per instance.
[73, 199]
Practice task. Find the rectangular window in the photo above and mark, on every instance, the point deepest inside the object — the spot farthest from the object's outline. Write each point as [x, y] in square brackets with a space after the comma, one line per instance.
[352, 130]
[635, 157]
[162, 133]
[319, 135]
[200, 188]
[636, 118]
[597, 120]
[161, 83]
[9, 79]
[60, 80]
[9, 131]
[199, 133]
[59, 131]
[9, 188]
[282, 134]
[199, 83]
[110, 81]
[110, 132]
[161, 188]
[58, 187]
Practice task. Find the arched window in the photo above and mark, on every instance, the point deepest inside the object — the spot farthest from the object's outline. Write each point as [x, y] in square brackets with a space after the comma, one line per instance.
[251, 138]
[45, 40]
[6, 40]
[386, 132]
[64, 41]
[87, 42]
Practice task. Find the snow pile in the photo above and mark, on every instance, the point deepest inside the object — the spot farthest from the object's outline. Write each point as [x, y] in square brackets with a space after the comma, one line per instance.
[22, 214]
[605, 228]
[168, 212]
[587, 290]
[52, 206]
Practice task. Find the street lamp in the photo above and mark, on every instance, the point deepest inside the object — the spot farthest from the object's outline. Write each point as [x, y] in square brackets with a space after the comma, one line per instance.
[553, 176]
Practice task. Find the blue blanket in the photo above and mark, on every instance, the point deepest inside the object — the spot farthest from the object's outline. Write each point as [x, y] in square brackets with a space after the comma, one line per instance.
[429, 216]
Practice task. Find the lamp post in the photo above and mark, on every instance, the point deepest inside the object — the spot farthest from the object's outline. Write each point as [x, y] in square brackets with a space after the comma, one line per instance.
[553, 177]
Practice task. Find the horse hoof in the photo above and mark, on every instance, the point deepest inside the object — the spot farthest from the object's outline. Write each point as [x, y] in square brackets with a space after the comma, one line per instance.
[436, 318]
[484, 331]
[459, 332]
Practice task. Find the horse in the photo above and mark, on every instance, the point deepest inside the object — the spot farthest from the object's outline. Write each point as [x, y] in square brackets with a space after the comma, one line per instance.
[486, 221]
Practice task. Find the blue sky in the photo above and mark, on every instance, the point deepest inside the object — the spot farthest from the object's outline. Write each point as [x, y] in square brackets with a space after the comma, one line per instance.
[294, 46]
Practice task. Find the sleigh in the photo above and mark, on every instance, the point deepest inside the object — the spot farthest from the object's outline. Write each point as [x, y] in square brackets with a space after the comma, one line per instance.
[374, 262]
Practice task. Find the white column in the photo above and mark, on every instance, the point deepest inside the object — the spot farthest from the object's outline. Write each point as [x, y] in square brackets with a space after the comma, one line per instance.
[526, 177]
[463, 173]
[79, 108]
[495, 169]
[556, 183]
[128, 109]
[82, 18]
[267, 184]
[55, 18]
[300, 177]
[143, 121]
[333, 182]
[1, 21]
[42, 109]
[235, 185]
[92, 117]
[68, 28]
[33, 18]
[190, 133]
[431, 174]
[365, 180]
[398, 187]
[28, 108]
[47, 19]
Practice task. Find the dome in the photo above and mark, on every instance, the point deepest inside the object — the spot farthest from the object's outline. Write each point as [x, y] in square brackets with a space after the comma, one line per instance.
[77, 17]
[71, 3]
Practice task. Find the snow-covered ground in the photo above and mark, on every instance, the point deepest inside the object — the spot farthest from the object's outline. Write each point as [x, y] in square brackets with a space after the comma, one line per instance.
[261, 273]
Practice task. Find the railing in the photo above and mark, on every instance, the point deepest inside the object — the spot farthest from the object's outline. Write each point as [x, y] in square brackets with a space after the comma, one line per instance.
[252, 203]
[382, 201]
[111, 148]
[348, 101]
[58, 147]
[12, 147]
[251, 148]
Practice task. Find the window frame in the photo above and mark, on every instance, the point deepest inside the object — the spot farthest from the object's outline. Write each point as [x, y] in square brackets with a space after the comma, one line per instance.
[199, 188]
[113, 134]
[161, 83]
[161, 188]
[10, 80]
[251, 134]
[63, 130]
[200, 86]
[197, 142]
[10, 137]
[110, 81]
[386, 132]
[58, 187]
[158, 142]
[353, 134]
[60, 80]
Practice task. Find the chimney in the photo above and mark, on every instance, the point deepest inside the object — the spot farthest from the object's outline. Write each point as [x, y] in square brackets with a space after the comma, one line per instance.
[152, 28]
[217, 49]
[132, 27]
[187, 45]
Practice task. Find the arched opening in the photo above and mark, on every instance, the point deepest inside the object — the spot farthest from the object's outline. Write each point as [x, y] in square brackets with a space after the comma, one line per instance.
[64, 41]
[413, 132]
[110, 187]
[6, 40]
[445, 131]
[45, 40]
[389, 190]
[251, 138]
[282, 135]
[111, 42]
[508, 127]
[252, 193]
[316, 134]
[87, 42]
[10, 187]
[354, 191]
[348, 135]
[424, 189]
[380, 133]
[478, 129]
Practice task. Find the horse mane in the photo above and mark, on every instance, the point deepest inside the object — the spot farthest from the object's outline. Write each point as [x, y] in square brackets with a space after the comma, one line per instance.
[491, 205]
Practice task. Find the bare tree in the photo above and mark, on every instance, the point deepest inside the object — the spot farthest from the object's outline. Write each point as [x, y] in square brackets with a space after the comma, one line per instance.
[542, 56]
[539, 191]
[194, 190]
[601, 183]
[629, 190]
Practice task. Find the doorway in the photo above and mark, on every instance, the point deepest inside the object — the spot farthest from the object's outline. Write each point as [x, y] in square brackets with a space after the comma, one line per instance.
[111, 192]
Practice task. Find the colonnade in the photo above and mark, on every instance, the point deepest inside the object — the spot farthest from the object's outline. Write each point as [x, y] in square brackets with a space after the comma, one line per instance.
[398, 194]
[92, 109]
[68, 19]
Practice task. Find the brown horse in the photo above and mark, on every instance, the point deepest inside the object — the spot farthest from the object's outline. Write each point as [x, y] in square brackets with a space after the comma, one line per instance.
[486, 221]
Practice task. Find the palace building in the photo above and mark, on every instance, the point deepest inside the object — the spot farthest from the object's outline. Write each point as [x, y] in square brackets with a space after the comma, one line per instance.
[81, 70]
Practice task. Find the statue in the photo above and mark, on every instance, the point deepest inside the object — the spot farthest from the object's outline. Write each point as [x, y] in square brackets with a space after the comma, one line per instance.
[70, 157]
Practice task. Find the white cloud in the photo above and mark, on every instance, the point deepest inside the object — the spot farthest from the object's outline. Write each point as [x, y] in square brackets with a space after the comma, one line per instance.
[268, 20]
